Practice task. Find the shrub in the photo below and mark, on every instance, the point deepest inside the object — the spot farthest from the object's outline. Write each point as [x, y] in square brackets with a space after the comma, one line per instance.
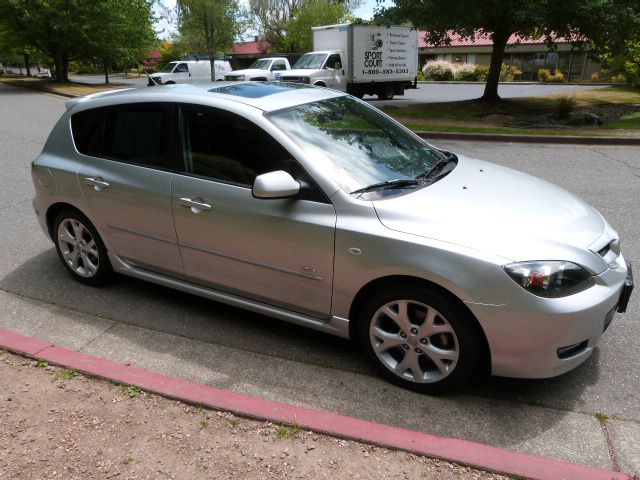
[620, 78]
[565, 105]
[438, 71]
[509, 73]
[420, 75]
[482, 72]
[544, 75]
[558, 77]
[466, 72]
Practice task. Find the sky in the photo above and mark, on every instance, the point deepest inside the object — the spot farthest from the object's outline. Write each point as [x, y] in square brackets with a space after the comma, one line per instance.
[365, 11]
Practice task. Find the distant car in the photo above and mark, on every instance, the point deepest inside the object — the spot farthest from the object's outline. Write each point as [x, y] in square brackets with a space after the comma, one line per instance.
[309, 205]
[189, 71]
[264, 69]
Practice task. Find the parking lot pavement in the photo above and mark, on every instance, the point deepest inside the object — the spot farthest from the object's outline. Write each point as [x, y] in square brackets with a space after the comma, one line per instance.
[188, 337]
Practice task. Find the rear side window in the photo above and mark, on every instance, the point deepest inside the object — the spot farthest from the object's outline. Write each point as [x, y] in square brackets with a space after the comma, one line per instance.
[130, 133]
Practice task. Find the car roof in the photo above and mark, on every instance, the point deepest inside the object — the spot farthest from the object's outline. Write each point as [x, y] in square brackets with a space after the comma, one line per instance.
[266, 96]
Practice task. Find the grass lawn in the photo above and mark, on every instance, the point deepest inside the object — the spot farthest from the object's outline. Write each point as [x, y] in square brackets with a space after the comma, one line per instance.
[70, 88]
[477, 116]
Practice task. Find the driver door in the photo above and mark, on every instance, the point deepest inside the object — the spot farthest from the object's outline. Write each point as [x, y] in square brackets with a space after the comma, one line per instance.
[279, 252]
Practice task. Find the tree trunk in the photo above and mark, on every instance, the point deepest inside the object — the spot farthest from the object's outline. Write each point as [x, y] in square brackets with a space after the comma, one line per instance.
[500, 40]
[105, 66]
[57, 60]
[27, 64]
[65, 68]
[212, 58]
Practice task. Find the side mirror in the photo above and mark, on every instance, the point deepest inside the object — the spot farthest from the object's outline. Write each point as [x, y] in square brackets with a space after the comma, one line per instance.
[278, 184]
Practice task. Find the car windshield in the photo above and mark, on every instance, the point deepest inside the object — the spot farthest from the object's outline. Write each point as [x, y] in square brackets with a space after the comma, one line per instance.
[311, 60]
[361, 147]
[168, 68]
[261, 65]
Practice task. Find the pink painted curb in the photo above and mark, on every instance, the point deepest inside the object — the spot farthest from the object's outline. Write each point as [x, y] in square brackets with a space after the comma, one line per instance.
[459, 451]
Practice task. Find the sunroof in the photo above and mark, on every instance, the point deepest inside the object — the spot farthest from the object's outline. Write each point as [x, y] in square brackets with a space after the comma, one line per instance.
[255, 89]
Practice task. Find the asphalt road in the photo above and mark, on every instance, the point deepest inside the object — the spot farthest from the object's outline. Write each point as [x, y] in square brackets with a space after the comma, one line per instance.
[425, 93]
[178, 334]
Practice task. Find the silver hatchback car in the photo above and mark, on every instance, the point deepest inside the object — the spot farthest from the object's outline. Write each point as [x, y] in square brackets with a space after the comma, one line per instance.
[311, 206]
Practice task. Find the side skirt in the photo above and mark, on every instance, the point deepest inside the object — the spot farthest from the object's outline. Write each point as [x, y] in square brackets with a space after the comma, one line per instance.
[334, 325]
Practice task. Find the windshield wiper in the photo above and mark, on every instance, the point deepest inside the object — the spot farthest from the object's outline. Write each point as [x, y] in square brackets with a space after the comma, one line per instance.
[398, 183]
[439, 166]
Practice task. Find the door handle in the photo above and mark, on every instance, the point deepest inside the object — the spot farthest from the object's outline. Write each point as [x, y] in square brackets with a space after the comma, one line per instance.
[196, 204]
[97, 183]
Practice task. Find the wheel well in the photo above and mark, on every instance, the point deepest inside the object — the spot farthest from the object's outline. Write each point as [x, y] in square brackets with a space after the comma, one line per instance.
[319, 84]
[395, 280]
[53, 212]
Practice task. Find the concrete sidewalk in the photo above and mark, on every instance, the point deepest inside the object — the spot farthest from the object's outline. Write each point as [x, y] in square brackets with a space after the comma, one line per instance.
[609, 444]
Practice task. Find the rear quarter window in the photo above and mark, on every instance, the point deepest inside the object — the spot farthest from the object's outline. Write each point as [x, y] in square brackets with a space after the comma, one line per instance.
[129, 133]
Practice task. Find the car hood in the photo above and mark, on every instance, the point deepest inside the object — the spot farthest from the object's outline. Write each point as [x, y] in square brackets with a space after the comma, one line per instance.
[497, 210]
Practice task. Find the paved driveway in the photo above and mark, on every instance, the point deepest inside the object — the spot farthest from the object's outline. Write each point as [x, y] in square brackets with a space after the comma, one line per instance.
[178, 334]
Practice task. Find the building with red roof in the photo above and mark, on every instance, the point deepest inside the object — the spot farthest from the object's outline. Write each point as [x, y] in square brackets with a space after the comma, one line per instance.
[527, 54]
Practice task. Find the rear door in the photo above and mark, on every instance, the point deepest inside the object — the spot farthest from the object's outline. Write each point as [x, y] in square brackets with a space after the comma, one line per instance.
[125, 177]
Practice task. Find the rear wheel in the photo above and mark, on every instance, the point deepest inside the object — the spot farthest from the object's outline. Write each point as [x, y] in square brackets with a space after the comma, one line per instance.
[387, 92]
[419, 339]
[80, 248]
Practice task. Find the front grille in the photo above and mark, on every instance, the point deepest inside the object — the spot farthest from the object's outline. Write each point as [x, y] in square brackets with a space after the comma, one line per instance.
[292, 79]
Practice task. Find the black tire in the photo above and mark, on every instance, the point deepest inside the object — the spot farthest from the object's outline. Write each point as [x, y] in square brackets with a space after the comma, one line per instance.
[387, 92]
[73, 234]
[170, 82]
[451, 337]
[320, 84]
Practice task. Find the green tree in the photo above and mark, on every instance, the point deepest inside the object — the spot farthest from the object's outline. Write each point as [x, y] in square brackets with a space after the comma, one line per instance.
[287, 23]
[313, 13]
[209, 26]
[66, 30]
[121, 31]
[598, 22]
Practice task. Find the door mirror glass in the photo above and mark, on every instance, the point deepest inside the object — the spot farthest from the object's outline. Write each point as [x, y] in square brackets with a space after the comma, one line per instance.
[278, 184]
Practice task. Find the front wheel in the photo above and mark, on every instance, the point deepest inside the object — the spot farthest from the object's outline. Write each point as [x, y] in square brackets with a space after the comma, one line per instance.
[80, 248]
[419, 338]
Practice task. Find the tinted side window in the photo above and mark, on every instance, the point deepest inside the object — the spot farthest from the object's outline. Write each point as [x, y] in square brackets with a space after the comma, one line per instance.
[181, 68]
[130, 133]
[228, 148]
[278, 65]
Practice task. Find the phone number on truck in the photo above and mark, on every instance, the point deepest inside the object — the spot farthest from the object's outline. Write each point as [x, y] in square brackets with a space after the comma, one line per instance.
[385, 71]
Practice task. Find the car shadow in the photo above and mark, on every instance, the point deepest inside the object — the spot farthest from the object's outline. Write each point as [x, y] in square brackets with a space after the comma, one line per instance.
[489, 409]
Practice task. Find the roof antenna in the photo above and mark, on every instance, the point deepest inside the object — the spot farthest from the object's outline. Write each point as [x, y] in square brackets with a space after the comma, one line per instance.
[149, 76]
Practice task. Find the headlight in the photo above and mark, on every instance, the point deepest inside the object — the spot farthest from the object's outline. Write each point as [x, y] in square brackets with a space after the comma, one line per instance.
[550, 279]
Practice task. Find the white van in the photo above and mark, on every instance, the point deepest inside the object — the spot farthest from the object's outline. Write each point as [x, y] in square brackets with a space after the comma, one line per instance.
[189, 71]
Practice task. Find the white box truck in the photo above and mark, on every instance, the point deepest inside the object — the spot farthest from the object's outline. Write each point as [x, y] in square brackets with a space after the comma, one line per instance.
[360, 59]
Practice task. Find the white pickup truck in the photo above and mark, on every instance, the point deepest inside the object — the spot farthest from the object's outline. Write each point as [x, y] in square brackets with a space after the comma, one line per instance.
[360, 59]
[264, 69]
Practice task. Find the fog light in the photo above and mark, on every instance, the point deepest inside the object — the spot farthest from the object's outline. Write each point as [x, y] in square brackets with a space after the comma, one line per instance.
[571, 350]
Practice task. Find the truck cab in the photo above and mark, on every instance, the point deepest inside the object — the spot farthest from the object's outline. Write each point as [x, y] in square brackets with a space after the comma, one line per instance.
[264, 69]
[323, 69]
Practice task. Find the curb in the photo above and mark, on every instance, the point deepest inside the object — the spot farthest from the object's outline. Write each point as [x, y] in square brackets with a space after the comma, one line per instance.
[454, 450]
[554, 139]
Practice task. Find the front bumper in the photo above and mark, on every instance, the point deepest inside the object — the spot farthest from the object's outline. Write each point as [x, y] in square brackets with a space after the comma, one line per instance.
[530, 336]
